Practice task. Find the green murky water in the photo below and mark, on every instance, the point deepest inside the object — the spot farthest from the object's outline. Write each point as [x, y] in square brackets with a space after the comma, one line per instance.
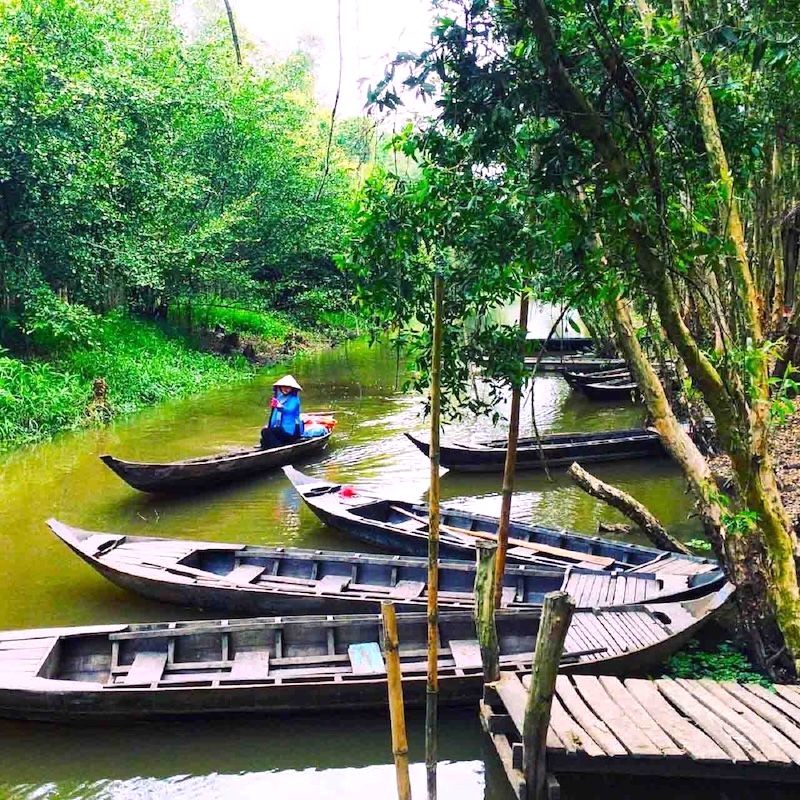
[44, 585]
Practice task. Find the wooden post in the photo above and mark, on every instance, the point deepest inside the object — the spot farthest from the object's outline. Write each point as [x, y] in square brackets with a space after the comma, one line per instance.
[432, 689]
[396, 710]
[556, 616]
[484, 609]
[510, 466]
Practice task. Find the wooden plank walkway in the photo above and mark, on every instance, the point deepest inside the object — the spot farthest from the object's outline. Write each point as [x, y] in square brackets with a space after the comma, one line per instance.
[667, 727]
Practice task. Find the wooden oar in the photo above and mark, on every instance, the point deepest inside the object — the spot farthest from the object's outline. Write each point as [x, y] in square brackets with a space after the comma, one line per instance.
[583, 558]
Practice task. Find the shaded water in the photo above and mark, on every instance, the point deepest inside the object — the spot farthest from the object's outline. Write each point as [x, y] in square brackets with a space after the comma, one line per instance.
[46, 586]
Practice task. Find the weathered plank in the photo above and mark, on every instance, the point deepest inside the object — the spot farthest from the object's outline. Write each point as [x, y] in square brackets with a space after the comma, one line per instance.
[694, 741]
[755, 741]
[466, 653]
[637, 712]
[769, 719]
[245, 573]
[621, 725]
[250, 665]
[407, 590]
[366, 659]
[774, 699]
[147, 668]
[332, 584]
[574, 738]
[587, 719]
[714, 727]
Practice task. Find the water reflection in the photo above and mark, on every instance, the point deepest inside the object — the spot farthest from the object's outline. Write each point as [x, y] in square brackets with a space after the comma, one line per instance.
[240, 758]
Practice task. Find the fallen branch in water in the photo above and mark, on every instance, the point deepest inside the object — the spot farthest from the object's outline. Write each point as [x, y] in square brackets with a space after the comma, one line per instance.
[630, 507]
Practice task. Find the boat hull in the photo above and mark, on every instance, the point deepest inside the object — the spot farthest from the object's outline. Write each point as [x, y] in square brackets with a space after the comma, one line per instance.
[385, 524]
[204, 473]
[90, 675]
[555, 451]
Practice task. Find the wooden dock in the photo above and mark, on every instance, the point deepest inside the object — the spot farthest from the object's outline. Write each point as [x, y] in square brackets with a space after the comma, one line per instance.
[664, 727]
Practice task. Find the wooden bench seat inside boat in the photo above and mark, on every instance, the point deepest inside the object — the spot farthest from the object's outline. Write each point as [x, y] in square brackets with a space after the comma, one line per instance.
[245, 573]
[250, 665]
[466, 653]
[147, 669]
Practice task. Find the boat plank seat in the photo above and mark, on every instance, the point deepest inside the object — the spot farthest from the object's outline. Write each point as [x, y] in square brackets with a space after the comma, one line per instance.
[333, 584]
[466, 653]
[146, 669]
[245, 573]
[250, 665]
[366, 659]
[408, 524]
[508, 595]
[407, 590]
[98, 542]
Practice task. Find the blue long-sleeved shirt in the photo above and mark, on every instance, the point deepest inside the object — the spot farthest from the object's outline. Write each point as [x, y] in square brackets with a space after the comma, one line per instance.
[287, 414]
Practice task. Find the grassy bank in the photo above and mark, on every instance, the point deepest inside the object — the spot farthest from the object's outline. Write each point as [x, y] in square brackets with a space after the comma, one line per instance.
[141, 363]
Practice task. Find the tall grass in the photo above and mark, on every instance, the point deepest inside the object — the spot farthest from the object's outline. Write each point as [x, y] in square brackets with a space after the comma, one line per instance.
[140, 363]
[270, 325]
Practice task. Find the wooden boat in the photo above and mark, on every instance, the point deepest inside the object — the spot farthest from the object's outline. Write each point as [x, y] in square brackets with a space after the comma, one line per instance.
[611, 390]
[558, 344]
[558, 449]
[248, 579]
[577, 379]
[402, 527]
[113, 673]
[578, 363]
[207, 471]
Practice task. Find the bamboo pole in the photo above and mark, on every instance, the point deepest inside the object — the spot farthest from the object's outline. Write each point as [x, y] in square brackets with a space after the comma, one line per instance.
[510, 465]
[396, 710]
[432, 688]
[486, 558]
[556, 616]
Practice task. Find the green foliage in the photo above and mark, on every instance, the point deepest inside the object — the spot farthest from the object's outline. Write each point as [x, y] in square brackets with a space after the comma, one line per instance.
[700, 545]
[53, 325]
[782, 392]
[140, 364]
[737, 522]
[209, 312]
[725, 663]
[139, 166]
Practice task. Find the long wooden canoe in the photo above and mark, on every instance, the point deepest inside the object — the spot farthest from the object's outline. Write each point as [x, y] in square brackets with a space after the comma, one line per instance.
[617, 389]
[207, 471]
[577, 363]
[248, 579]
[402, 527]
[578, 379]
[111, 673]
[559, 449]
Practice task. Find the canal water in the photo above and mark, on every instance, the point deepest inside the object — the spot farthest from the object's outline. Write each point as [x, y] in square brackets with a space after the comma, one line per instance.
[343, 755]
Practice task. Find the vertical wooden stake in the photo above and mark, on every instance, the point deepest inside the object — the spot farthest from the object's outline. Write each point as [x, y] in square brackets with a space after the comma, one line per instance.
[556, 616]
[510, 466]
[432, 690]
[484, 610]
[396, 710]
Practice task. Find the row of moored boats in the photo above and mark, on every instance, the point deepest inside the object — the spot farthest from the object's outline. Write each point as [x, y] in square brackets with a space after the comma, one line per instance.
[303, 627]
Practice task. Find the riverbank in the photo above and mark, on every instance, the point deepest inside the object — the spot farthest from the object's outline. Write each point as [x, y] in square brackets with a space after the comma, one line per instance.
[133, 363]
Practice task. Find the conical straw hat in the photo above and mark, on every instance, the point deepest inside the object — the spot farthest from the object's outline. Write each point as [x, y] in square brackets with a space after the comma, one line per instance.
[288, 380]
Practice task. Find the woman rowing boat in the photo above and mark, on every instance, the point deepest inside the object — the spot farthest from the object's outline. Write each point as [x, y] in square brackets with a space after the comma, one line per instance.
[284, 425]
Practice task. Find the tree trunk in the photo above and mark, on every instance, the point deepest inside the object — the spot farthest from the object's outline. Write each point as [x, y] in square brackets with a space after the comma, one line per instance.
[234, 34]
[630, 507]
[741, 424]
[510, 468]
[776, 225]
